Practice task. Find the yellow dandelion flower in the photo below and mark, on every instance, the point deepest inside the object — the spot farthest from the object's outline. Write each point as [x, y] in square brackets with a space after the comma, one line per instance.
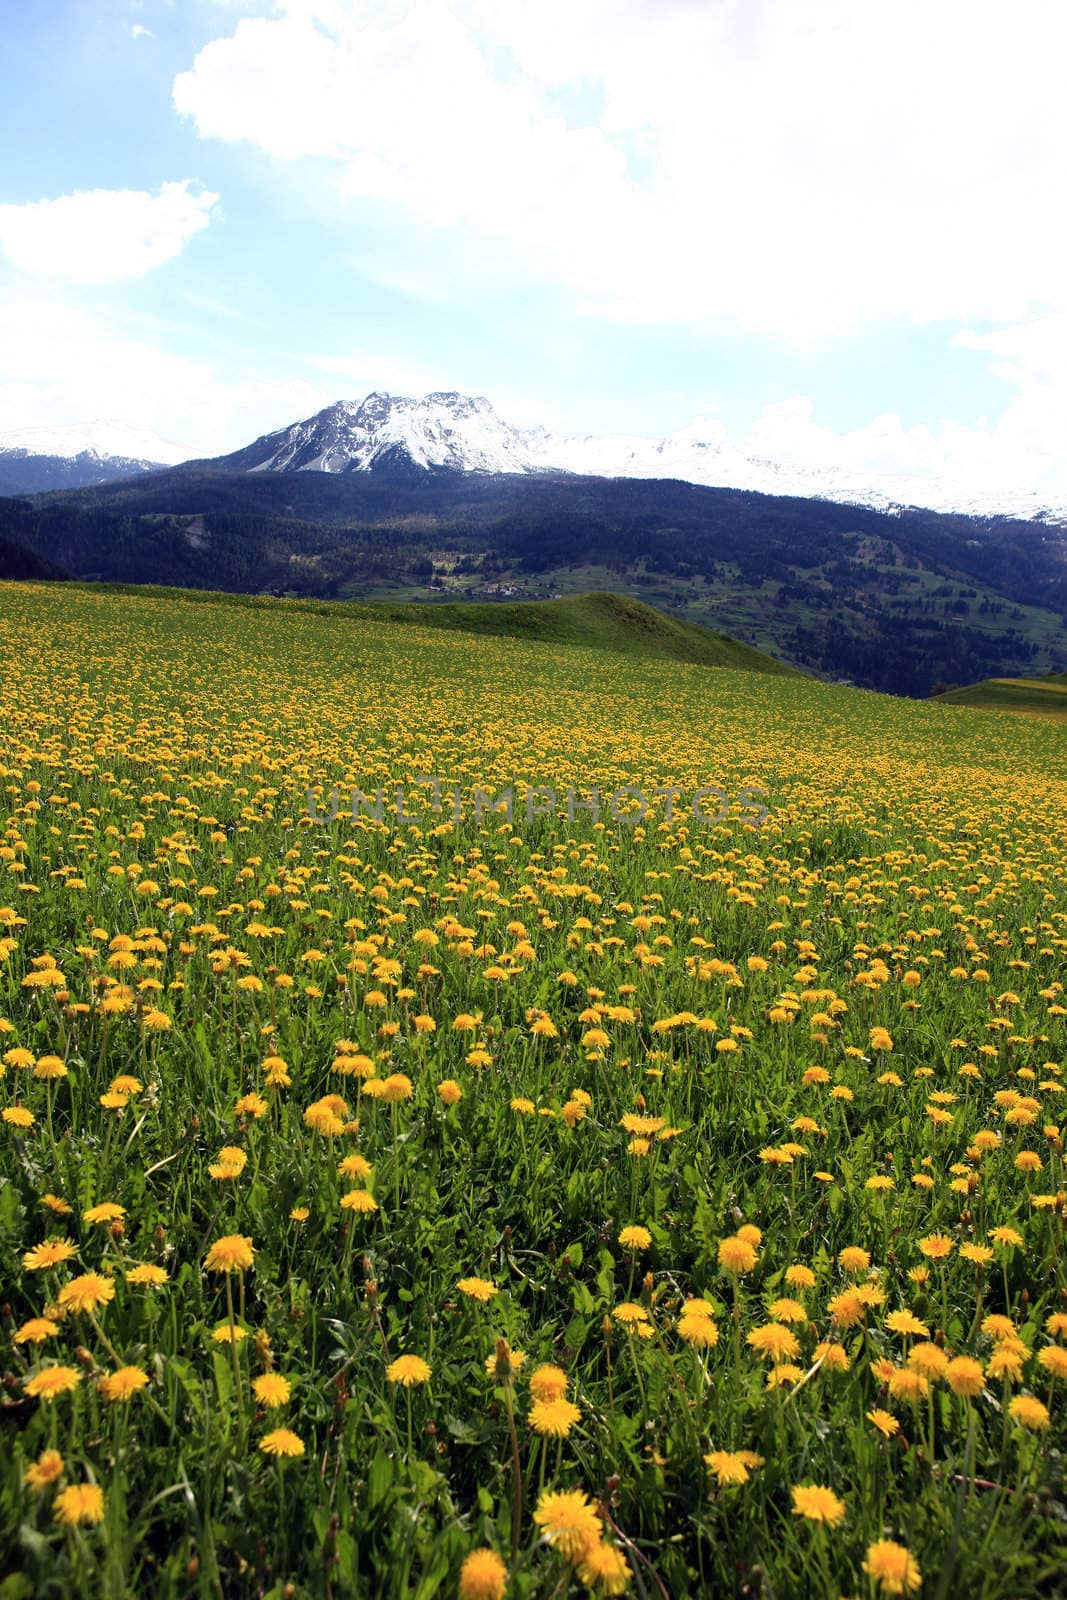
[282, 1442]
[408, 1371]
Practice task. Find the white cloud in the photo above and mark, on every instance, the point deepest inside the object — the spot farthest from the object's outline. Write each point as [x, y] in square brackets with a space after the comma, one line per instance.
[138, 31]
[104, 235]
[793, 167]
[60, 364]
[1021, 449]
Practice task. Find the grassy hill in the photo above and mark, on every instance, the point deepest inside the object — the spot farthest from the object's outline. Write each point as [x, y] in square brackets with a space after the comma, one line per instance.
[600, 621]
[904, 603]
[1024, 697]
[345, 1101]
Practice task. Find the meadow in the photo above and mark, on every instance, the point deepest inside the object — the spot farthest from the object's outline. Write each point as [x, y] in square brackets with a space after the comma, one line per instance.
[539, 1207]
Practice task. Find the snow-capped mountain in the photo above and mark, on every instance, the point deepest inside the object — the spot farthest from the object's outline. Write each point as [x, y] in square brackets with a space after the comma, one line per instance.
[34, 460]
[109, 440]
[454, 431]
[460, 433]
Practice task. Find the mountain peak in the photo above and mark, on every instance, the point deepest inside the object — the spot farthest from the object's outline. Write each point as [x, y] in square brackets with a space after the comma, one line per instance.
[444, 430]
[450, 431]
[103, 438]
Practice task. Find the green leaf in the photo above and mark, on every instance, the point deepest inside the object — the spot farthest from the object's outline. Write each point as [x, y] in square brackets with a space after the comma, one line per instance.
[379, 1479]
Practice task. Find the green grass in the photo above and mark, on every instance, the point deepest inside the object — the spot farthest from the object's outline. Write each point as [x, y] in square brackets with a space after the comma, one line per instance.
[614, 622]
[1029, 697]
[545, 1029]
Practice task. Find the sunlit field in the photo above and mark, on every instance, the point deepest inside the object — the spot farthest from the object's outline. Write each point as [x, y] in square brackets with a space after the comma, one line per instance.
[456, 1205]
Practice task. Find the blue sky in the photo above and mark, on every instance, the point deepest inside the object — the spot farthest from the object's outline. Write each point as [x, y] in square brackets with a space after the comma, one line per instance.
[835, 229]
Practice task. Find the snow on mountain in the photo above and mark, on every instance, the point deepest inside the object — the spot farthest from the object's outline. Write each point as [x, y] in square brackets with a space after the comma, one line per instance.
[464, 434]
[441, 430]
[102, 439]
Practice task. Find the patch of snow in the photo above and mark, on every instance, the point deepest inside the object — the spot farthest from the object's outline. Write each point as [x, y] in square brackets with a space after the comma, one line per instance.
[103, 439]
[464, 433]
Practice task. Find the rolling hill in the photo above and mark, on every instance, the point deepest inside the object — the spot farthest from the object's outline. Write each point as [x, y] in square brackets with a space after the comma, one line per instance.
[596, 621]
[1023, 697]
[905, 602]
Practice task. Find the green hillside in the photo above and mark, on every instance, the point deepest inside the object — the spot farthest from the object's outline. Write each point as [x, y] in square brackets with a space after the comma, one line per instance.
[903, 604]
[602, 621]
[1024, 697]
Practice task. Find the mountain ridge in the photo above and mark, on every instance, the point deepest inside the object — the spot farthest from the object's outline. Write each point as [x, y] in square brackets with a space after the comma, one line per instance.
[907, 603]
[79, 456]
[449, 431]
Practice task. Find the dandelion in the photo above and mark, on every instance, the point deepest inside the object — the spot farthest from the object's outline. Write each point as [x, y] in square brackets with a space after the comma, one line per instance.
[123, 1384]
[50, 1067]
[884, 1421]
[554, 1417]
[846, 1310]
[892, 1567]
[477, 1289]
[936, 1246]
[568, 1522]
[1054, 1360]
[251, 1105]
[787, 1310]
[800, 1277]
[736, 1255]
[818, 1504]
[909, 1385]
[1029, 1413]
[87, 1292]
[548, 1382]
[232, 1253]
[147, 1275]
[483, 1576]
[775, 1342]
[505, 1363]
[732, 1466]
[78, 1503]
[44, 1471]
[630, 1314]
[36, 1330]
[408, 1371]
[699, 1332]
[603, 1569]
[52, 1381]
[1007, 1362]
[231, 1162]
[635, 1238]
[271, 1390]
[397, 1087]
[906, 1322]
[282, 1442]
[227, 1334]
[929, 1359]
[964, 1375]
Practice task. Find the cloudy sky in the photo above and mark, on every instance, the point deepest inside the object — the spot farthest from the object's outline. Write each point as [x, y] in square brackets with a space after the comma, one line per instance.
[838, 228]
